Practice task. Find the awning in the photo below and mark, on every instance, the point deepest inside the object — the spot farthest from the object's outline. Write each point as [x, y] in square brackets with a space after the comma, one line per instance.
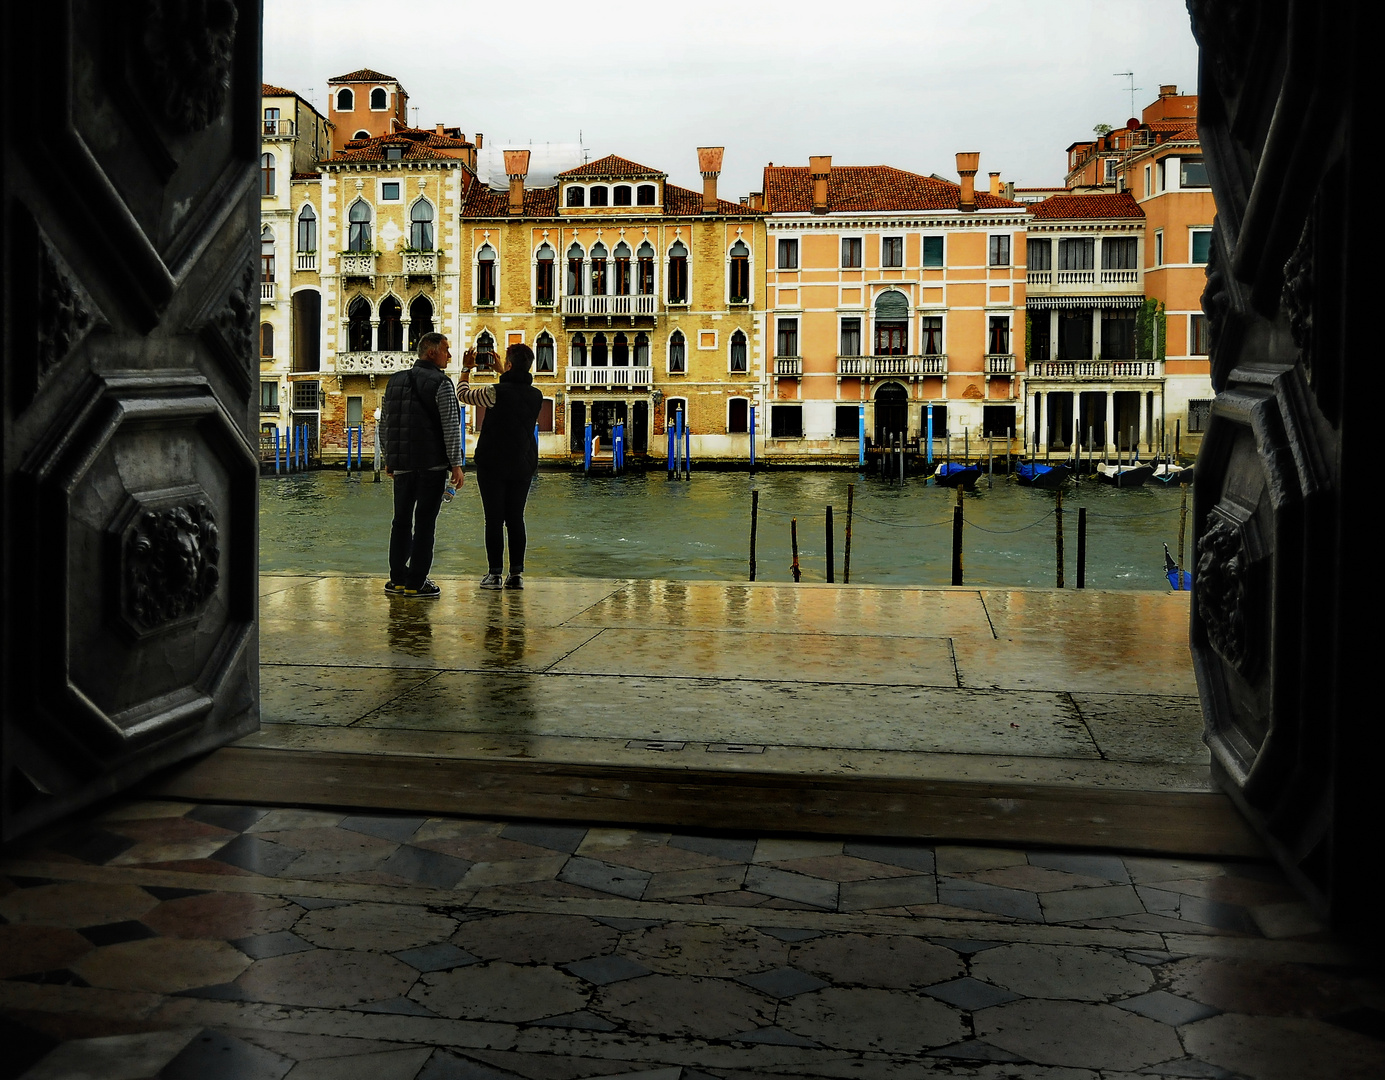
[1039, 303]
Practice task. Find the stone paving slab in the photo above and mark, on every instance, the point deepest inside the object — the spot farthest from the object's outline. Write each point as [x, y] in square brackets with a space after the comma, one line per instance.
[595, 967]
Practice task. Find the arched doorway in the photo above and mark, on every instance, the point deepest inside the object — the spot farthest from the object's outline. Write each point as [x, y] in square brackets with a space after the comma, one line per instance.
[891, 413]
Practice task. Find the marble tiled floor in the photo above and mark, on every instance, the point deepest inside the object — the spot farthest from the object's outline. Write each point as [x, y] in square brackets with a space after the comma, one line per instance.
[184, 940]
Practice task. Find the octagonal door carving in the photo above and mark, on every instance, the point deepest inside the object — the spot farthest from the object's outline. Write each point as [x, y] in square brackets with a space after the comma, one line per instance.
[130, 470]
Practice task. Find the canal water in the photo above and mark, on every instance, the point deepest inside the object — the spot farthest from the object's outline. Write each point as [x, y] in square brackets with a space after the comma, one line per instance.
[645, 526]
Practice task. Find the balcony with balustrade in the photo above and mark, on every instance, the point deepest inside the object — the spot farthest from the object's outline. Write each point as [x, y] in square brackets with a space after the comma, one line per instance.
[278, 129]
[610, 310]
[305, 261]
[357, 264]
[1093, 282]
[1000, 364]
[788, 365]
[372, 363]
[421, 264]
[871, 367]
[267, 292]
[1095, 370]
[611, 377]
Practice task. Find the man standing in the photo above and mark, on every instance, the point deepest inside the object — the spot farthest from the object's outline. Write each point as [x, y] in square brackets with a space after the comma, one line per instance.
[421, 435]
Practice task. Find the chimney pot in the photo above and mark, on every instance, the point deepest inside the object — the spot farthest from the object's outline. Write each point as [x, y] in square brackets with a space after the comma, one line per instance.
[480, 139]
[820, 169]
[967, 164]
[709, 165]
[995, 183]
[440, 130]
[1168, 90]
[516, 168]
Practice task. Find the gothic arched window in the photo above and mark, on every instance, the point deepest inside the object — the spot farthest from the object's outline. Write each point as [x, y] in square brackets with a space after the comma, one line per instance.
[421, 226]
[358, 230]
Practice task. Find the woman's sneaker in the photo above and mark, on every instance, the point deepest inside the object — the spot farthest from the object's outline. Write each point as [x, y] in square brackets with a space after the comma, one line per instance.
[514, 581]
[491, 581]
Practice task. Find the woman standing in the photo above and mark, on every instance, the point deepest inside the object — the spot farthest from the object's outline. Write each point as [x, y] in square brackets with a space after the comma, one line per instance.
[507, 456]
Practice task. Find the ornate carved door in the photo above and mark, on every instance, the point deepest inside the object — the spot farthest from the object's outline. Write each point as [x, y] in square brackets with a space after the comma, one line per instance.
[129, 457]
[1283, 578]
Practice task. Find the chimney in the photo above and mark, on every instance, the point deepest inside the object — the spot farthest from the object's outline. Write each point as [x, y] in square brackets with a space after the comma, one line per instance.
[480, 140]
[820, 169]
[709, 165]
[516, 168]
[440, 130]
[967, 165]
[1168, 90]
[995, 184]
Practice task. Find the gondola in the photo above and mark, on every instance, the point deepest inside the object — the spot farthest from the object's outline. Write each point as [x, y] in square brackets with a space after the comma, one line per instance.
[1182, 580]
[1034, 474]
[1124, 476]
[1172, 474]
[953, 474]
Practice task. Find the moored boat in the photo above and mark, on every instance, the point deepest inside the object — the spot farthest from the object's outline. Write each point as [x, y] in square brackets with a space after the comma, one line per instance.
[954, 474]
[1124, 475]
[1172, 474]
[1035, 474]
[1182, 580]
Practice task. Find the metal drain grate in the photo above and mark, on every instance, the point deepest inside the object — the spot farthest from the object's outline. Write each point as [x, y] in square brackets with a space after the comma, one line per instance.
[660, 745]
[735, 748]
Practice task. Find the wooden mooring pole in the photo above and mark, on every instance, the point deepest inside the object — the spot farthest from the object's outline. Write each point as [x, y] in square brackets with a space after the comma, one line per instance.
[1081, 547]
[957, 539]
[754, 521]
[793, 538]
[831, 569]
[1182, 527]
[846, 554]
[1060, 537]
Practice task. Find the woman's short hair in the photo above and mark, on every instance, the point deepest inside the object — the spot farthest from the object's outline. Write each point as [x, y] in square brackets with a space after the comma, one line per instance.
[520, 356]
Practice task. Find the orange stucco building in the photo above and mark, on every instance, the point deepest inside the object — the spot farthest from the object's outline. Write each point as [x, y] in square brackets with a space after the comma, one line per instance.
[895, 296]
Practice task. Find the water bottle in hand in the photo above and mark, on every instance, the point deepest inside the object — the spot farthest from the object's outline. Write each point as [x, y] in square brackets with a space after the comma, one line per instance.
[449, 492]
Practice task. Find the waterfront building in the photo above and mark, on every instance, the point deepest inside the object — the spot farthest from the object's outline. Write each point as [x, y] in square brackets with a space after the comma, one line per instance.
[640, 298]
[893, 295]
[294, 137]
[1094, 375]
[1155, 165]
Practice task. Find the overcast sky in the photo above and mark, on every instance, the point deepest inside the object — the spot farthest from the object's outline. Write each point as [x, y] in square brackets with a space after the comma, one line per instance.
[896, 82]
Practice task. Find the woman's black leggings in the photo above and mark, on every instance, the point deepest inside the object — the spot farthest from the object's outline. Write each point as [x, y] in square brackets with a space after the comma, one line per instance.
[502, 497]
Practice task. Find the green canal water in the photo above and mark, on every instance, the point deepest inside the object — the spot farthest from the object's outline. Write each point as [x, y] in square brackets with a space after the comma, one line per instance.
[644, 526]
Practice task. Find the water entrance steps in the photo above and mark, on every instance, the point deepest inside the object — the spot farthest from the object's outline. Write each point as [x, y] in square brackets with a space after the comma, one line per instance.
[1004, 716]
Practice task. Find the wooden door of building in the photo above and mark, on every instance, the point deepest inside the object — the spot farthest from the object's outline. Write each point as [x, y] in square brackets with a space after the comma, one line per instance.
[1281, 608]
[131, 302]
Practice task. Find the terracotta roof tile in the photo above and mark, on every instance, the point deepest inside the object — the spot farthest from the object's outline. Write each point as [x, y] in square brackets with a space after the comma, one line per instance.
[481, 201]
[270, 90]
[863, 188]
[418, 144]
[1120, 205]
[363, 75]
[681, 201]
[612, 166]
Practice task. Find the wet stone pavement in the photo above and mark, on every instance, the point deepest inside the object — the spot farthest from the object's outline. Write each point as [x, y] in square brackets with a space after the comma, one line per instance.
[183, 940]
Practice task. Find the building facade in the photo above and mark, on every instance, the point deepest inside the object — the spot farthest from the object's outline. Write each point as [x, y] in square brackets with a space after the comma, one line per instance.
[893, 296]
[640, 298]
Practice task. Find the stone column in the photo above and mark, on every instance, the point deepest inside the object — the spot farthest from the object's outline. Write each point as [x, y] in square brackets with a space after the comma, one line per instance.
[1109, 441]
[1041, 418]
[374, 335]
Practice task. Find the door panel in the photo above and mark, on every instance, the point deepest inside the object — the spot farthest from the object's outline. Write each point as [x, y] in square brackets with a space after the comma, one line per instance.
[1280, 87]
[129, 463]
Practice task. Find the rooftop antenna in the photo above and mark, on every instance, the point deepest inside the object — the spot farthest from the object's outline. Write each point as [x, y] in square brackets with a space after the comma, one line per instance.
[1131, 76]
[415, 110]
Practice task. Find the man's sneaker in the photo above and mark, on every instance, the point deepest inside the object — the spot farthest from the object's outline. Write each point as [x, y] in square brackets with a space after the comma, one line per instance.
[393, 589]
[514, 581]
[427, 591]
[491, 581]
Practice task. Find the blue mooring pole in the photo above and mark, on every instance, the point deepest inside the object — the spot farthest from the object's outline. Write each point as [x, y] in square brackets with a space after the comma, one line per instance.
[587, 452]
[276, 451]
[928, 453]
[618, 447]
[461, 417]
[669, 432]
[752, 439]
[291, 447]
[861, 437]
[678, 445]
[687, 453]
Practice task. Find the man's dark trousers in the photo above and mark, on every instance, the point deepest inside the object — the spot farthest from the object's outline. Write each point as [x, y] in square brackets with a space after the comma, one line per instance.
[417, 500]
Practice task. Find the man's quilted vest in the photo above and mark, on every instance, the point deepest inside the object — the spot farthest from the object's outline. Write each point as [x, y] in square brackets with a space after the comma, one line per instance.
[411, 429]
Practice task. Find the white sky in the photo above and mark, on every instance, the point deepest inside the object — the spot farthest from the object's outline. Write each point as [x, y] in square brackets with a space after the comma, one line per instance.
[890, 82]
